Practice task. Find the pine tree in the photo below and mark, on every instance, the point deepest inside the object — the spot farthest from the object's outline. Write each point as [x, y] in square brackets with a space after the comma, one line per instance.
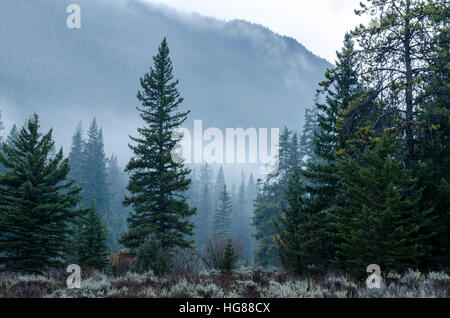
[94, 170]
[12, 136]
[292, 239]
[218, 186]
[76, 156]
[433, 138]
[92, 249]
[381, 221]
[340, 90]
[229, 258]
[204, 216]
[117, 214]
[310, 129]
[393, 57]
[222, 217]
[1, 139]
[266, 205]
[36, 202]
[157, 183]
[251, 195]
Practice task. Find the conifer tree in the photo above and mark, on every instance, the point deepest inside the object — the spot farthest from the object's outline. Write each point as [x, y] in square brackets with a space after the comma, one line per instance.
[157, 183]
[116, 217]
[37, 202]
[292, 227]
[76, 156]
[1, 139]
[218, 186]
[393, 57]
[340, 89]
[204, 216]
[229, 258]
[94, 170]
[11, 136]
[381, 221]
[433, 138]
[310, 129]
[222, 217]
[92, 249]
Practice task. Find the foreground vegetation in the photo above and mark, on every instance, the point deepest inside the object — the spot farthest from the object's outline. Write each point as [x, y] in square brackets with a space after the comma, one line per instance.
[244, 283]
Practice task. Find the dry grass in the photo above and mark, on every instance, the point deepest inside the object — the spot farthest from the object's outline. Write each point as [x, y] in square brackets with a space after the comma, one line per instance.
[245, 283]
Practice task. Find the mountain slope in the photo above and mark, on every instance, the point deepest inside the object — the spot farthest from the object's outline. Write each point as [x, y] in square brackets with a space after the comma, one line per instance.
[232, 74]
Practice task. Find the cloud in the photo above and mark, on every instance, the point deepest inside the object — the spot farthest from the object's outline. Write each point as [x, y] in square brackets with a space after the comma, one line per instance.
[320, 25]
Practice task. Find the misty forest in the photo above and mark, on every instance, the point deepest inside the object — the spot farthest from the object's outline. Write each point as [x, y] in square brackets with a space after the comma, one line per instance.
[363, 165]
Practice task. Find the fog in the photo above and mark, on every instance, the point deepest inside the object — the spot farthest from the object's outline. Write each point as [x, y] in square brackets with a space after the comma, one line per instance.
[234, 74]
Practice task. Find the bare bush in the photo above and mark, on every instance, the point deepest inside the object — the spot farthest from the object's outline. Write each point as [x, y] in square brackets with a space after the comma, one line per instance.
[215, 250]
[186, 262]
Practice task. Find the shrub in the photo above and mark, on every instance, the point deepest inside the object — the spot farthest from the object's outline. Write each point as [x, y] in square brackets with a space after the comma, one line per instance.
[151, 256]
[214, 252]
[186, 262]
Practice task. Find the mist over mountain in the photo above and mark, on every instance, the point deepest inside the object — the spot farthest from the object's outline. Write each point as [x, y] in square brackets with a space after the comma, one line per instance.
[232, 74]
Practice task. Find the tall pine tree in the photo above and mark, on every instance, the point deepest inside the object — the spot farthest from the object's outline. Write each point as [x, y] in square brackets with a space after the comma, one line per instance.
[157, 183]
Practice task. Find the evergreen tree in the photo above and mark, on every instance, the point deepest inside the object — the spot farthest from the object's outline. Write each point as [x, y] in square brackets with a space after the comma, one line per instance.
[381, 221]
[11, 136]
[251, 194]
[204, 217]
[266, 205]
[229, 258]
[218, 186]
[117, 214]
[393, 57]
[310, 129]
[433, 139]
[1, 140]
[158, 183]
[292, 225]
[36, 202]
[340, 90]
[242, 222]
[92, 249]
[76, 156]
[222, 217]
[94, 183]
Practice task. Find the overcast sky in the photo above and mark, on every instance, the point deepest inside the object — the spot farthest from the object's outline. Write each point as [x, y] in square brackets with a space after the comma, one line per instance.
[320, 25]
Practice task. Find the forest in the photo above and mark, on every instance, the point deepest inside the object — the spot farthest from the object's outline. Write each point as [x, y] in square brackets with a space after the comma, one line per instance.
[365, 180]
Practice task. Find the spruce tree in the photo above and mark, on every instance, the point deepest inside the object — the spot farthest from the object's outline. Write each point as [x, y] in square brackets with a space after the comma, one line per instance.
[76, 156]
[158, 183]
[1, 139]
[117, 214]
[92, 249]
[11, 136]
[433, 139]
[393, 57]
[340, 90]
[222, 217]
[306, 143]
[204, 217]
[381, 221]
[37, 202]
[292, 228]
[229, 259]
[218, 186]
[94, 176]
